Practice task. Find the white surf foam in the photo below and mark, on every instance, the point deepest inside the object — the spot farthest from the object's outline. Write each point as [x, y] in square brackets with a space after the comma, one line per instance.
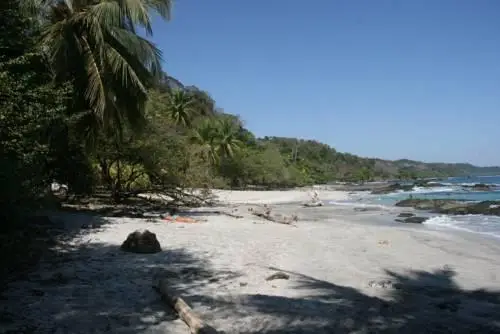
[488, 225]
[420, 190]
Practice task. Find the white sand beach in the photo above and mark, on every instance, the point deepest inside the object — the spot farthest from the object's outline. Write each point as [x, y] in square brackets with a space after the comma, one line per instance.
[345, 275]
[275, 197]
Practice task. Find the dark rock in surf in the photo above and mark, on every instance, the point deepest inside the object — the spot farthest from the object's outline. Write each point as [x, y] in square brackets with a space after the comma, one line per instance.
[453, 207]
[414, 220]
[430, 204]
[481, 187]
[392, 188]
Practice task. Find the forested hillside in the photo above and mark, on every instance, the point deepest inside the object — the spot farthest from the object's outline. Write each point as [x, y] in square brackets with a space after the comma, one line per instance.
[94, 109]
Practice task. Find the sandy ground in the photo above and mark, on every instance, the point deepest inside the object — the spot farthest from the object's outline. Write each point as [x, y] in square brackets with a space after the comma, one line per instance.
[347, 274]
[276, 197]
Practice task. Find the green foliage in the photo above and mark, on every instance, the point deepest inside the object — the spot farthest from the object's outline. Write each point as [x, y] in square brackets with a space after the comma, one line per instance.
[28, 107]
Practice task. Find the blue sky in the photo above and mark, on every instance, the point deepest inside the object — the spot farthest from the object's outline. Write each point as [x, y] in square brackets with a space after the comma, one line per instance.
[390, 79]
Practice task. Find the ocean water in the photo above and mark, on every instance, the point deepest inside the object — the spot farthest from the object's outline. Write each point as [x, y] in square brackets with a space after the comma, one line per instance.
[450, 188]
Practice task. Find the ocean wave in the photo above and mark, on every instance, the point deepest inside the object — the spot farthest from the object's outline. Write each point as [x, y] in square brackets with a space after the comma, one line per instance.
[419, 190]
[487, 225]
[425, 190]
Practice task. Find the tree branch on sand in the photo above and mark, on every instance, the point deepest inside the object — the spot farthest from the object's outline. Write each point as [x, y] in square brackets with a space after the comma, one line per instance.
[195, 323]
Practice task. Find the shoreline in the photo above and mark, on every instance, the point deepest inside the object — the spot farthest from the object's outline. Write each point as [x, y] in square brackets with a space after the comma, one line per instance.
[346, 273]
[485, 225]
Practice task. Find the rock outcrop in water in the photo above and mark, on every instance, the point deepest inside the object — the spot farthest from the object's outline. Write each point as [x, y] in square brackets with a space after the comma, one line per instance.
[412, 220]
[454, 207]
[405, 187]
[481, 187]
[392, 188]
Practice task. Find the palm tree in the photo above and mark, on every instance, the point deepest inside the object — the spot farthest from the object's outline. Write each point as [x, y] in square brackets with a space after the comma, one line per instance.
[217, 138]
[228, 137]
[95, 45]
[181, 108]
[205, 137]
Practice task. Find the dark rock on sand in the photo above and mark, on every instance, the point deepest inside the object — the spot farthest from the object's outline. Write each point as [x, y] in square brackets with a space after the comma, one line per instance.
[143, 242]
[278, 275]
[365, 209]
[454, 207]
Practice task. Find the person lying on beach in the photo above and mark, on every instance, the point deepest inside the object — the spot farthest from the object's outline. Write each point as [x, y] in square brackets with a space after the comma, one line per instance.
[179, 219]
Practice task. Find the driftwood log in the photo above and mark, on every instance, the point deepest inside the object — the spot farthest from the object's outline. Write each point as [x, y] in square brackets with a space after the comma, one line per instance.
[185, 312]
[313, 204]
[230, 214]
[275, 218]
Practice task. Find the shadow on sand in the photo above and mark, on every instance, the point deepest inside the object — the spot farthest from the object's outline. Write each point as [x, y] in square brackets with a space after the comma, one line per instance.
[96, 288]
[422, 302]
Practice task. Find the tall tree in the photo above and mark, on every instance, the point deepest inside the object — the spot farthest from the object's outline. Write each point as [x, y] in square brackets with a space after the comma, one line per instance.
[95, 44]
[228, 133]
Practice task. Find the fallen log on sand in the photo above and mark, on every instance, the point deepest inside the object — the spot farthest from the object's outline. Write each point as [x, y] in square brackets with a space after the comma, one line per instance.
[186, 313]
[233, 215]
[275, 218]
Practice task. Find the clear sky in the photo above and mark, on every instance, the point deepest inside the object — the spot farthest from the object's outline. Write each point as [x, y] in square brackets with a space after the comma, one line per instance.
[416, 79]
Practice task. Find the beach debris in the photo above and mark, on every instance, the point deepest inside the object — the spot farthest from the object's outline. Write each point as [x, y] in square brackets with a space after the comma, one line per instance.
[313, 204]
[384, 284]
[278, 275]
[243, 284]
[195, 323]
[315, 201]
[383, 242]
[266, 213]
[229, 214]
[315, 196]
[142, 242]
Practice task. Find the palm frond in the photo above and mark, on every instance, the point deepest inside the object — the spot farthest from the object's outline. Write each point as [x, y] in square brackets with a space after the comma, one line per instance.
[143, 55]
[162, 7]
[94, 43]
[94, 92]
